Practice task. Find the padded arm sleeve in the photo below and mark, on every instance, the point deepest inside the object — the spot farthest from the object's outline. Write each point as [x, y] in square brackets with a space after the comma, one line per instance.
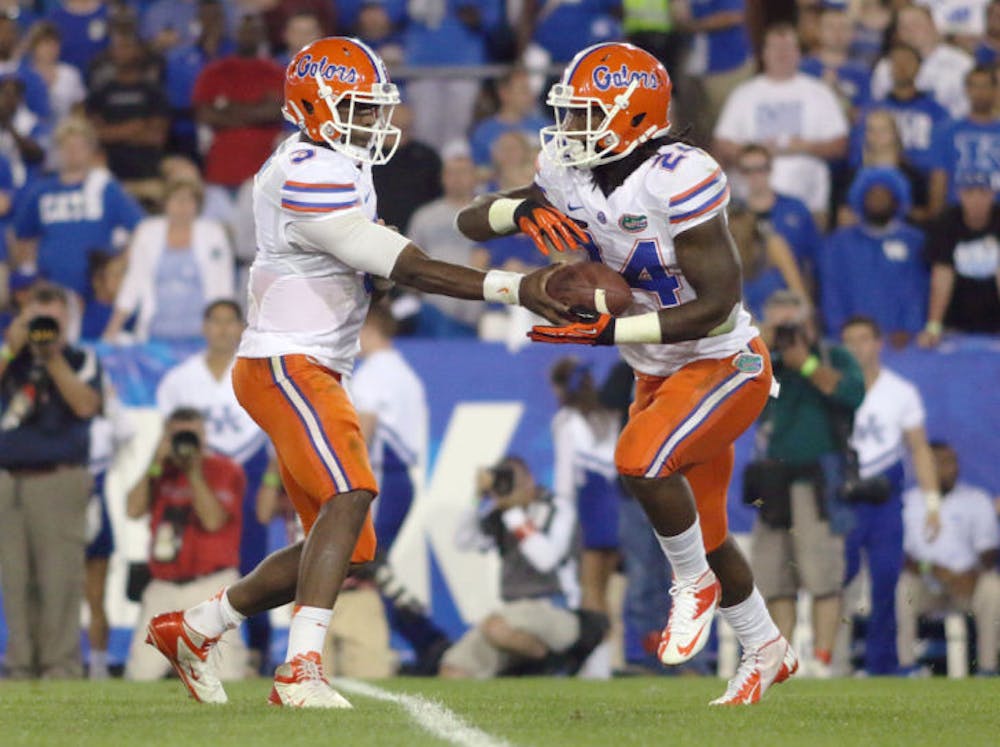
[351, 238]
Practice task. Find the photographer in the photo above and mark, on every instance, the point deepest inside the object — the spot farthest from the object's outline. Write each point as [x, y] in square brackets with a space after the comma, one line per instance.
[536, 629]
[194, 499]
[798, 537]
[49, 392]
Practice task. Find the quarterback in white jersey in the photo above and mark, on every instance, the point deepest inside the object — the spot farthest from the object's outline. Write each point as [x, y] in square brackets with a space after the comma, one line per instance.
[655, 210]
[319, 246]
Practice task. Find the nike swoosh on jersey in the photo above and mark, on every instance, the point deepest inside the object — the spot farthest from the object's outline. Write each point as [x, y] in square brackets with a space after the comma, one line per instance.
[571, 208]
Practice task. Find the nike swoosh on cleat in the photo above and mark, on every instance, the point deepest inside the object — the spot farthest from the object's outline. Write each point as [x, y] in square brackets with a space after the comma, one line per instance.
[685, 650]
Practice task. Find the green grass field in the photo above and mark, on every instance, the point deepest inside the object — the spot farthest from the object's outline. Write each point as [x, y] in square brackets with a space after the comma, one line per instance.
[641, 711]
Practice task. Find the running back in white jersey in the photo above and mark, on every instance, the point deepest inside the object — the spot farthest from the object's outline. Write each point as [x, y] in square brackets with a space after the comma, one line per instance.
[301, 300]
[634, 229]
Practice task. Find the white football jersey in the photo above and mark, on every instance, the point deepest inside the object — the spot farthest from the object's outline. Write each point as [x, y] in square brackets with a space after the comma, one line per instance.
[302, 300]
[229, 430]
[387, 386]
[890, 408]
[582, 447]
[634, 228]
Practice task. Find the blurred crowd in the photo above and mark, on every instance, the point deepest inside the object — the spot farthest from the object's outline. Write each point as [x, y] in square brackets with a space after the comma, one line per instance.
[862, 140]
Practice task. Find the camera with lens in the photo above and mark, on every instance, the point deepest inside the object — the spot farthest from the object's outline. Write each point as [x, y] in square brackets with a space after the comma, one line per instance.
[43, 330]
[185, 444]
[503, 480]
[786, 335]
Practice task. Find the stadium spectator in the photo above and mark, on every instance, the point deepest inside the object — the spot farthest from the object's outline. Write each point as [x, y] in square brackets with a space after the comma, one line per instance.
[650, 25]
[563, 29]
[942, 66]
[446, 33]
[83, 28]
[536, 535]
[130, 116]
[411, 178]
[349, 12]
[988, 50]
[204, 382]
[238, 98]
[795, 116]
[35, 88]
[889, 423]
[392, 408]
[918, 116]
[375, 28]
[167, 25]
[184, 64]
[776, 212]
[832, 61]
[216, 203]
[300, 28]
[65, 217]
[964, 251]
[517, 113]
[193, 498]
[872, 21]
[798, 534]
[17, 292]
[584, 436]
[49, 392]
[969, 144]
[106, 271]
[23, 136]
[875, 267]
[956, 570]
[178, 263]
[276, 15]
[110, 431]
[22, 11]
[721, 55]
[63, 82]
[768, 262]
[880, 147]
[433, 228]
[124, 48]
[513, 157]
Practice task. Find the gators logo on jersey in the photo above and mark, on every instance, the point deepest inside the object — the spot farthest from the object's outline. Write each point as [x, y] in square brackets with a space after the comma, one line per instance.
[308, 67]
[633, 223]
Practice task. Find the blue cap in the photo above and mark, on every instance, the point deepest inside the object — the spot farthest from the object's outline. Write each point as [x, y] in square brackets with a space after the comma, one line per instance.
[19, 280]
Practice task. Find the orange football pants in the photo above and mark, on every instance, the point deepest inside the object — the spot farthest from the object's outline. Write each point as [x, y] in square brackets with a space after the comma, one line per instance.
[687, 422]
[309, 418]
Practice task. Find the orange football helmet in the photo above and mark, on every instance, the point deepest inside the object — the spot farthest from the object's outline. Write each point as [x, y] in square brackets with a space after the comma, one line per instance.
[612, 98]
[330, 86]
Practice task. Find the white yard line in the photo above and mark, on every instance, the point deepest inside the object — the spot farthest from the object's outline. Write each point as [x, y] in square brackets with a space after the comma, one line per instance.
[430, 716]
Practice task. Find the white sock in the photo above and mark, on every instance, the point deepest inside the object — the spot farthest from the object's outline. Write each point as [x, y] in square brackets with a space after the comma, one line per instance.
[686, 553]
[307, 631]
[214, 616]
[751, 621]
[598, 664]
[98, 669]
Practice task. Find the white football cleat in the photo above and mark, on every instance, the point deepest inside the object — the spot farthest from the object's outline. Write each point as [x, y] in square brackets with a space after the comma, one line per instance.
[760, 667]
[300, 683]
[188, 651]
[690, 621]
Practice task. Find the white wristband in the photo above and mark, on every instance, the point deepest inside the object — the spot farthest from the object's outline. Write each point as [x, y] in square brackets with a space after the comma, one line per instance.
[932, 501]
[501, 215]
[502, 286]
[644, 328]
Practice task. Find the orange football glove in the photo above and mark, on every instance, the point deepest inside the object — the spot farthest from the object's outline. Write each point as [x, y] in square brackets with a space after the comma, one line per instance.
[600, 331]
[546, 225]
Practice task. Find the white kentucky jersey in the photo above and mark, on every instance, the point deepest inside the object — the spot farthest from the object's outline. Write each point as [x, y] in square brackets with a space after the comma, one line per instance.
[584, 449]
[302, 300]
[229, 430]
[891, 408]
[634, 229]
[968, 528]
[386, 386]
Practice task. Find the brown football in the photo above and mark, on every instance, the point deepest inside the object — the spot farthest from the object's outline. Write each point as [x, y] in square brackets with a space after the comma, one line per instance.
[592, 286]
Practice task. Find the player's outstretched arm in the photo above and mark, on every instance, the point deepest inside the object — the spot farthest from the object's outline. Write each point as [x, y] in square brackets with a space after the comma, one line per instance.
[524, 209]
[415, 269]
[708, 258]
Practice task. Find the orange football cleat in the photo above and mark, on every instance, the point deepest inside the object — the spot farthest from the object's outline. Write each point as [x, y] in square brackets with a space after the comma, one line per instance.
[690, 621]
[300, 683]
[188, 653]
[760, 667]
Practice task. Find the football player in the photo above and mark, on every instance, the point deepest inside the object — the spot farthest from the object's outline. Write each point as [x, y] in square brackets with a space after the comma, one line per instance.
[319, 246]
[655, 208]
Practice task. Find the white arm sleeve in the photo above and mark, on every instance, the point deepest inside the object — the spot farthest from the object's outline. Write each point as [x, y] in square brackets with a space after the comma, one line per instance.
[351, 238]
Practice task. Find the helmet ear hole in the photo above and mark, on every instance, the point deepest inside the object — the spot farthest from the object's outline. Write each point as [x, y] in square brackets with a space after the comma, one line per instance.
[307, 105]
[637, 119]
